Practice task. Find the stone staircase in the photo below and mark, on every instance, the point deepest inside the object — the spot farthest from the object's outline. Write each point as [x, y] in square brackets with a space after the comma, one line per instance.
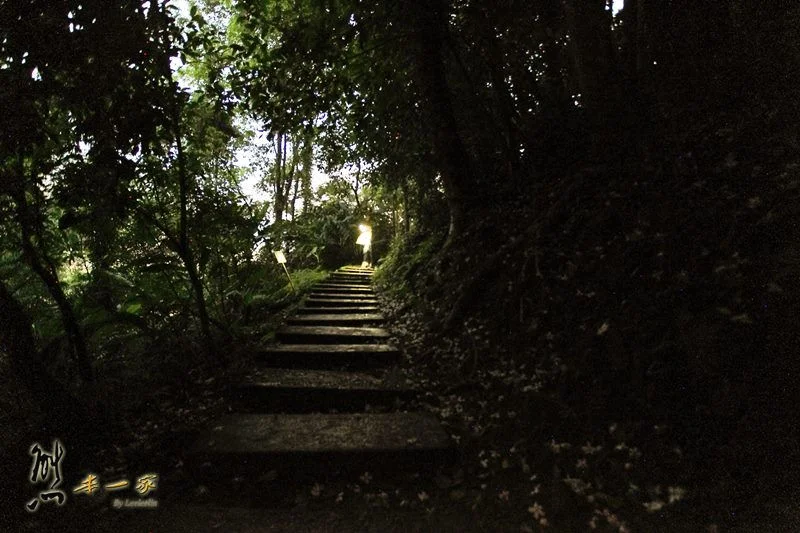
[324, 402]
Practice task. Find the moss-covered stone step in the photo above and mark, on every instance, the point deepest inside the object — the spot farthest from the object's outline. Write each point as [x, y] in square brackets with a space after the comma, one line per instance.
[333, 319]
[303, 390]
[327, 289]
[331, 334]
[322, 356]
[357, 269]
[319, 301]
[358, 281]
[351, 276]
[335, 293]
[254, 444]
[343, 286]
[365, 292]
[320, 310]
[345, 297]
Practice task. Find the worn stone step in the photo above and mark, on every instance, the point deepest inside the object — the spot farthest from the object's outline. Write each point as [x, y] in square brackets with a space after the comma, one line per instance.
[320, 310]
[251, 445]
[303, 390]
[327, 289]
[320, 301]
[351, 282]
[347, 297]
[353, 268]
[338, 294]
[322, 356]
[343, 286]
[351, 275]
[331, 334]
[349, 278]
[333, 319]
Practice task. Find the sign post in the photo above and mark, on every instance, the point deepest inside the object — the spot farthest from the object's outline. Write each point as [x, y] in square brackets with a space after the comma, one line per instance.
[282, 260]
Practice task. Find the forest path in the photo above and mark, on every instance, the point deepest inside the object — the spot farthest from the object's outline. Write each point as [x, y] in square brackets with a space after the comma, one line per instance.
[324, 402]
[324, 409]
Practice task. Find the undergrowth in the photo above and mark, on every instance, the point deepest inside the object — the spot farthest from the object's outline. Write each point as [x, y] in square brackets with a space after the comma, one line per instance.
[151, 398]
[624, 355]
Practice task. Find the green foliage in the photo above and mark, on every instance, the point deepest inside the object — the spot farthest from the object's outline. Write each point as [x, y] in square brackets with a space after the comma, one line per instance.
[325, 232]
[408, 258]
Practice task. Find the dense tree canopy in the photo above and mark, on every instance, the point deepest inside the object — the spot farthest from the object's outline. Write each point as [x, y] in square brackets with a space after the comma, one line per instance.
[616, 185]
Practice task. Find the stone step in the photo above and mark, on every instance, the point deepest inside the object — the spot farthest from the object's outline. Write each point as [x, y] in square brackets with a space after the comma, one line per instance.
[333, 319]
[353, 268]
[319, 310]
[330, 335]
[327, 289]
[352, 282]
[351, 276]
[301, 391]
[321, 356]
[315, 445]
[328, 300]
[340, 296]
[333, 293]
[343, 286]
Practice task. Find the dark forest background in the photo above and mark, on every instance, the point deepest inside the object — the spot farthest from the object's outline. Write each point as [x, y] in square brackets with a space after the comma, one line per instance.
[589, 216]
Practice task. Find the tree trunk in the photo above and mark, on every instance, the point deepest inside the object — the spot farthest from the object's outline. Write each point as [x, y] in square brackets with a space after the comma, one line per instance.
[406, 214]
[277, 185]
[44, 268]
[357, 187]
[505, 102]
[632, 45]
[64, 412]
[395, 228]
[295, 194]
[184, 247]
[594, 59]
[553, 83]
[283, 175]
[306, 192]
[429, 20]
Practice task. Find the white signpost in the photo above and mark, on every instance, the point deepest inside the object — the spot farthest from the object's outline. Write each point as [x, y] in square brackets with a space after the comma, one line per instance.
[281, 258]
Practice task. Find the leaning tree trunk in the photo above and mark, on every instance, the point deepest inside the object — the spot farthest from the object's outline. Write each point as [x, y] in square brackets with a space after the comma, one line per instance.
[493, 51]
[44, 268]
[594, 60]
[16, 341]
[184, 248]
[428, 24]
